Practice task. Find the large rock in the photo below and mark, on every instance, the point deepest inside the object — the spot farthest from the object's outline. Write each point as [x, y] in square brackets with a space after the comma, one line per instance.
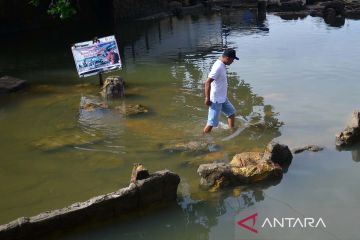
[292, 5]
[286, 5]
[337, 6]
[247, 168]
[278, 153]
[351, 134]
[352, 9]
[159, 187]
[246, 158]
[219, 175]
[353, 13]
[258, 172]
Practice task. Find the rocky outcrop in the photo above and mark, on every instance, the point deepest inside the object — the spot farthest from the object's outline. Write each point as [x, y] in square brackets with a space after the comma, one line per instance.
[159, 187]
[246, 168]
[292, 5]
[337, 6]
[351, 134]
[278, 153]
[352, 10]
[334, 12]
[312, 148]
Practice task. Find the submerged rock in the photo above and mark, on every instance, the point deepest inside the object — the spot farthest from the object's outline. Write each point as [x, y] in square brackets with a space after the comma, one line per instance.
[131, 110]
[351, 134]
[246, 168]
[10, 84]
[200, 146]
[312, 148]
[91, 105]
[207, 158]
[65, 140]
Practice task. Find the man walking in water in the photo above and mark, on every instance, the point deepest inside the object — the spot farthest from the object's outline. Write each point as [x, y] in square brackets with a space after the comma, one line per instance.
[216, 92]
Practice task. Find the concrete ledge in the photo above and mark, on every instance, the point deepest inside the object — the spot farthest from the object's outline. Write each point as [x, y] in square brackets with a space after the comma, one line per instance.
[157, 188]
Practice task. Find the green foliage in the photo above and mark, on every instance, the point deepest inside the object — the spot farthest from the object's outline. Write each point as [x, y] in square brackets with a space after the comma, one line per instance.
[61, 8]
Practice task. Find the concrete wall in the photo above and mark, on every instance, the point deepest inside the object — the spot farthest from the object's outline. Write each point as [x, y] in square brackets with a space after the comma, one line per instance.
[160, 187]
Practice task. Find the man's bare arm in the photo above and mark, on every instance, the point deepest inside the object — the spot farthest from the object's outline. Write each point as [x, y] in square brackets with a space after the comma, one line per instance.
[207, 91]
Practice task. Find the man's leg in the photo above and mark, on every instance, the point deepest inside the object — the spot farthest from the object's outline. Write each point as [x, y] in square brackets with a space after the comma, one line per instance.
[231, 121]
[229, 110]
[213, 117]
[207, 129]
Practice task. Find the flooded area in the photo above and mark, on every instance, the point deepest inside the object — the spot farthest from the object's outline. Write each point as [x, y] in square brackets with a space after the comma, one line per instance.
[297, 82]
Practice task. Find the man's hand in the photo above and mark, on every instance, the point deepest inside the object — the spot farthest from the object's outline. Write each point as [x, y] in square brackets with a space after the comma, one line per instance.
[207, 102]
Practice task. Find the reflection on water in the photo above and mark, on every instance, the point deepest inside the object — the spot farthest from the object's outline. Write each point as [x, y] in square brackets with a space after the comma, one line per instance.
[54, 153]
[355, 151]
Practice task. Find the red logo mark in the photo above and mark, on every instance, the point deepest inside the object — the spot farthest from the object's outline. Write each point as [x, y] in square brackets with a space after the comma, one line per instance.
[242, 221]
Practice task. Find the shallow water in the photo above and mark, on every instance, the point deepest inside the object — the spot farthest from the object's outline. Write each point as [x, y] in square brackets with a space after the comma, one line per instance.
[296, 83]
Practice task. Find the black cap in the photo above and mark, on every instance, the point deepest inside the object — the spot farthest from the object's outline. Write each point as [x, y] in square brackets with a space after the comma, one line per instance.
[230, 53]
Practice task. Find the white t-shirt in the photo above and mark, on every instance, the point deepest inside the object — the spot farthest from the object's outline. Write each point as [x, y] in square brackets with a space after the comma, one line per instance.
[218, 91]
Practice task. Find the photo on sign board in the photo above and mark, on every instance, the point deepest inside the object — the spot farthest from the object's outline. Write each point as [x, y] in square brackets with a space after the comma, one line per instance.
[94, 57]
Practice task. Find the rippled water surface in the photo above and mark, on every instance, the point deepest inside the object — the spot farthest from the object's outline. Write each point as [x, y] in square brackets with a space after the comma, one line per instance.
[296, 82]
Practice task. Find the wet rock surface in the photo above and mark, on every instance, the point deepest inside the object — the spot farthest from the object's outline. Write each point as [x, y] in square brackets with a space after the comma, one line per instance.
[351, 134]
[246, 168]
[195, 146]
[131, 110]
[10, 84]
[94, 105]
[312, 148]
[159, 187]
[278, 153]
[113, 87]
[65, 139]
[91, 105]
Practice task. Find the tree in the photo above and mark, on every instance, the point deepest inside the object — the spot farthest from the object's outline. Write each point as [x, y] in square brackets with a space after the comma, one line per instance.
[59, 8]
